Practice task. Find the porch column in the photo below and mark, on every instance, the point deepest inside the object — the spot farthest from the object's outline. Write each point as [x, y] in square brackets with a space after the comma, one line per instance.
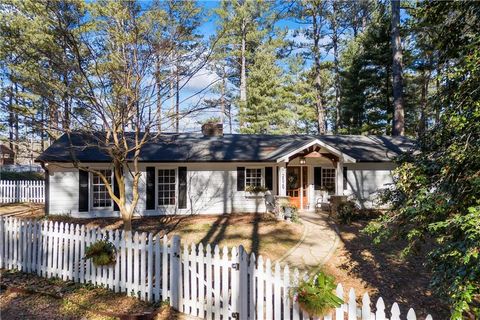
[339, 183]
[282, 179]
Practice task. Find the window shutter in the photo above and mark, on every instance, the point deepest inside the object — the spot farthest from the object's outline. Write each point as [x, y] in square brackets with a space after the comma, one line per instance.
[83, 191]
[116, 192]
[317, 178]
[240, 178]
[269, 178]
[182, 187]
[345, 180]
[150, 190]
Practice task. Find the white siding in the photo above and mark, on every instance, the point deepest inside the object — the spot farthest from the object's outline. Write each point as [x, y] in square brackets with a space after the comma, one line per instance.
[365, 179]
[63, 190]
[211, 189]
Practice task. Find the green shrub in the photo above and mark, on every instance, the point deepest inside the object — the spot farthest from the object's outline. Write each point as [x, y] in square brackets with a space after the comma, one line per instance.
[316, 295]
[10, 175]
[255, 189]
[101, 252]
[347, 212]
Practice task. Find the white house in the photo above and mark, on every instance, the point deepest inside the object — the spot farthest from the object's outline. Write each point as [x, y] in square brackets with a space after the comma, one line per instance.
[208, 173]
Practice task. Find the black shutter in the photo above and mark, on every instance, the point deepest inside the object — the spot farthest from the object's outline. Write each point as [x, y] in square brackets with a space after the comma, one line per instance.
[182, 187]
[116, 192]
[83, 191]
[150, 190]
[317, 178]
[345, 180]
[240, 178]
[269, 178]
[47, 192]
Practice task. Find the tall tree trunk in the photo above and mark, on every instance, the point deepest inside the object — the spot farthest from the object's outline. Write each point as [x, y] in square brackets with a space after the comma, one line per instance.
[158, 85]
[172, 92]
[222, 98]
[16, 148]
[398, 103]
[11, 118]
[42, 126]
[177, 100]
[336, 65]
[422, 123]
[243, 72]
[318, 79]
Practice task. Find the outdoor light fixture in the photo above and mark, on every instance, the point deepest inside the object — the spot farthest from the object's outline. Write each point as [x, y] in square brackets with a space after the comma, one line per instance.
[302, 160]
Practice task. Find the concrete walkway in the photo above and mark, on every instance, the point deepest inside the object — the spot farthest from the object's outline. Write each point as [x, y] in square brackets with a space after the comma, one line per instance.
[317, 245]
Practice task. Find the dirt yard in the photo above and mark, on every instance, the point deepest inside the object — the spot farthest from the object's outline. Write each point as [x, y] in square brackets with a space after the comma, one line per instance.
[380, 271]
[26, 296]
[261, 234]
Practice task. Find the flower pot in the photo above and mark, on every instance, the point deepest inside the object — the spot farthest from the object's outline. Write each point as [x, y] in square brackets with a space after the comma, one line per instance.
[287, 213]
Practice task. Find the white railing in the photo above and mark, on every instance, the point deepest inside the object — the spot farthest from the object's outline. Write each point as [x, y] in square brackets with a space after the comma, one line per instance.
[22, 191]
[199, 281]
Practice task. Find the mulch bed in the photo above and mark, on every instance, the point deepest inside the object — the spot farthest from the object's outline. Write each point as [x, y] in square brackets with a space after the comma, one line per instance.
[381, 271]
[27, 296]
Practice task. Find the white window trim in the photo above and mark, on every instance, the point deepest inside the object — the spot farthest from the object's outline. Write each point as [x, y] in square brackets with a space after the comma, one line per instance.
[164, 206]
[335, 177]
[262, 175]
[90, 191]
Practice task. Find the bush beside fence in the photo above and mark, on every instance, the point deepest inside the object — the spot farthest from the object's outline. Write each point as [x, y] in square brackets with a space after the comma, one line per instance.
[196, 280]
[12, 191]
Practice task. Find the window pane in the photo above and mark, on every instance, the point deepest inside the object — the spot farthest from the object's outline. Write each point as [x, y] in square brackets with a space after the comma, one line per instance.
[100, 196]
[166, 187]
[253, 177]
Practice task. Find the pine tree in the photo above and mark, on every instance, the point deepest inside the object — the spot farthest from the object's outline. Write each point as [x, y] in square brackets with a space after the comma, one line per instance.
[242, 27]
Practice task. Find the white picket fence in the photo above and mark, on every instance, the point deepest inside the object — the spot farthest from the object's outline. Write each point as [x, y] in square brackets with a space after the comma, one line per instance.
[211, 284]
[22, 191]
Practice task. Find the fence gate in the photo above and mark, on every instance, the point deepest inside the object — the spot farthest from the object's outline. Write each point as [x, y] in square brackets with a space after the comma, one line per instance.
[212, 282]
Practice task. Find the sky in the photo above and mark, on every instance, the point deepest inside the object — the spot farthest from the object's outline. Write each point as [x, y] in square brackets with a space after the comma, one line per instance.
[204, 78]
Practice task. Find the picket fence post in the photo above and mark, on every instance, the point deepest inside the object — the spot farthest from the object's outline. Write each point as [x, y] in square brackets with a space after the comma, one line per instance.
[175, 273]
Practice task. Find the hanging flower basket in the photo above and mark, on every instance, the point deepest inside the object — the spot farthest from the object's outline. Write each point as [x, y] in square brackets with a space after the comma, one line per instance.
[102, 253]
[316, 295]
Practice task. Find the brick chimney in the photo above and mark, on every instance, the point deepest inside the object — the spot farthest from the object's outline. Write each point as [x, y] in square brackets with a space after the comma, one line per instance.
[210, 129]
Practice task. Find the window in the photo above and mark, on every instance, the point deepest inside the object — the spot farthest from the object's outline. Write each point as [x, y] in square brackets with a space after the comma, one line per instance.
[166, 187]
[101, 198]
[328, 179]
[253, 177]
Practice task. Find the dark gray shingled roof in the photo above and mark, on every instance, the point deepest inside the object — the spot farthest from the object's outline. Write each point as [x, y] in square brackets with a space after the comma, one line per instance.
[231, 147]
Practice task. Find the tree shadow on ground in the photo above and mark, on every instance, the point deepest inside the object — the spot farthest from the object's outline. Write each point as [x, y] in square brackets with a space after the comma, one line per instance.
[382, 268]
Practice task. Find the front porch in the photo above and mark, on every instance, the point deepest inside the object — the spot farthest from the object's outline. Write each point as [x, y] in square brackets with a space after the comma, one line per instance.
[311, 174]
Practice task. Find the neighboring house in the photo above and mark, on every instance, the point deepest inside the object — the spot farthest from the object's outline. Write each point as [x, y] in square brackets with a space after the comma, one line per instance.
[7, 156]
[209, 172]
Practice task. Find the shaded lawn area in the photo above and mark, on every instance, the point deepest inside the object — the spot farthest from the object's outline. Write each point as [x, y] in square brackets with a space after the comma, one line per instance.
[259, 233]
[70, 301]
[22, 210]
[381, 271]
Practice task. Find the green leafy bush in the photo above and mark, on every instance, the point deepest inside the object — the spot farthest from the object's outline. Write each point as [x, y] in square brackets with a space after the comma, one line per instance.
[101, 252]
[256, 189]
[10, 175]
[347, 212]
[316, 295]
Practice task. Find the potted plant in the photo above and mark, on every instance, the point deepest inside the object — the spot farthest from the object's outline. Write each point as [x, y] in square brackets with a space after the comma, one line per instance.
[288, 209]
[102, 253]
[316, 295]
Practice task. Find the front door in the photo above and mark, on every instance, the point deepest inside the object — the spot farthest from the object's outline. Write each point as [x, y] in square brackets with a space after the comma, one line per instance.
[297, 183]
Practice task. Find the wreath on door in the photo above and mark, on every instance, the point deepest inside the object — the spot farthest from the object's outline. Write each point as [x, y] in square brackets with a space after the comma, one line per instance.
[292, 181]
